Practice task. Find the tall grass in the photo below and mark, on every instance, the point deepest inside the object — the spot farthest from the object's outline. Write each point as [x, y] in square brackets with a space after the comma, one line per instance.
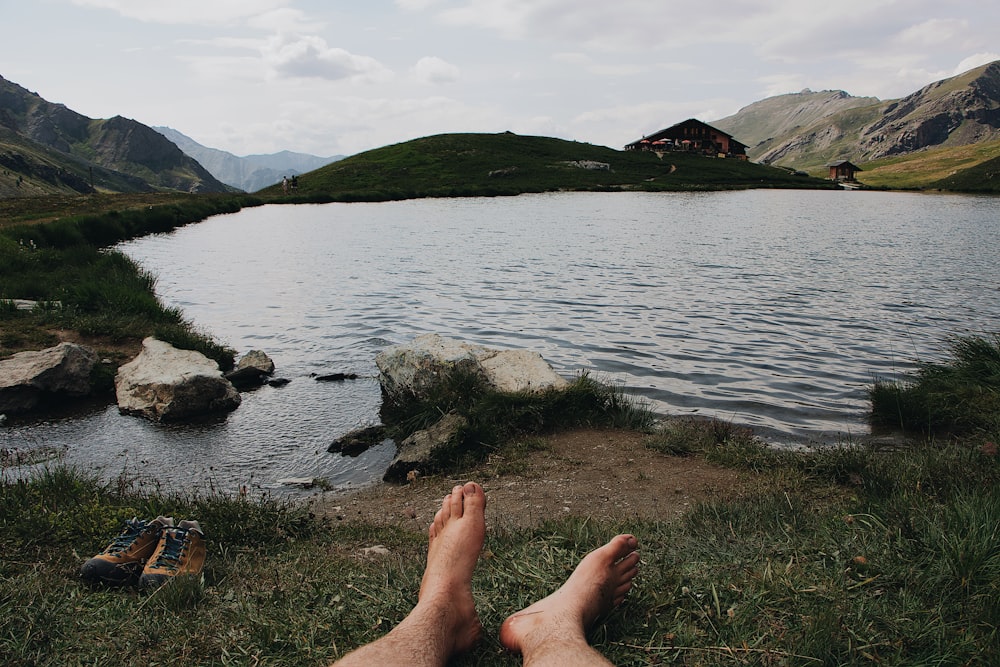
[961, 394]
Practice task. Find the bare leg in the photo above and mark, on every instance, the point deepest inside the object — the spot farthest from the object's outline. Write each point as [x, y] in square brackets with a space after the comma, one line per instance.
[444, 622]
[553, 630]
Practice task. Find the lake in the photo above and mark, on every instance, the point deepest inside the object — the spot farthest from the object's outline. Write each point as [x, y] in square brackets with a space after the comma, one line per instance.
[774, 309]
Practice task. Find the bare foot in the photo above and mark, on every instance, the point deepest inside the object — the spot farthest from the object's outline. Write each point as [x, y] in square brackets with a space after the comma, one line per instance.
[598, 584]
[456, 539]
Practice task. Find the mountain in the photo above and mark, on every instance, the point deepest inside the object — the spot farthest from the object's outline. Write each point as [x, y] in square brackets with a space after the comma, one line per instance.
[808, 130]
[783, 115]
[46, 148]
[249, 173]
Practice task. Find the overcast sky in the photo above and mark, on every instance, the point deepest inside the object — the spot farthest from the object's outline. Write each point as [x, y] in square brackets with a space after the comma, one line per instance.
[337, 77]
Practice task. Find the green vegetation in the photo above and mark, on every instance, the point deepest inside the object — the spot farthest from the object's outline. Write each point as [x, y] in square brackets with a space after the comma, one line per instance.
[459, 165]
[849, 555]
[983, 177]
[956, 168]
[495, 418]
[94, 292]
[961, 395]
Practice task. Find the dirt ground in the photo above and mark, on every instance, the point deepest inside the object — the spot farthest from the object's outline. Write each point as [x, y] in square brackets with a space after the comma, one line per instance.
[585, 473]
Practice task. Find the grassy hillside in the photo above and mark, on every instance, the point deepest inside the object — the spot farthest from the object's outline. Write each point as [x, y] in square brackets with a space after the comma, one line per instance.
[961, 168]
[30, 169]
[506, 164]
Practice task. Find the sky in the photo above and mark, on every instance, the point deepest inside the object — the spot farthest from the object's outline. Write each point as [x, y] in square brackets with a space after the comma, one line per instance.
[338, 78]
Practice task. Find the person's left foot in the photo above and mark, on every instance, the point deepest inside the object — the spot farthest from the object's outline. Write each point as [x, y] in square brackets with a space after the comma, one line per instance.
[456, 539]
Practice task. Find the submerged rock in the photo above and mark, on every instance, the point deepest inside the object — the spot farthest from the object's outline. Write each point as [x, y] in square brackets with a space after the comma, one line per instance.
[357, 442]
[251, 371]
[167, 384]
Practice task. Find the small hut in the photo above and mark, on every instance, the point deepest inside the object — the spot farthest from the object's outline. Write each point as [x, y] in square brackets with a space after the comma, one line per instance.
[843, 170]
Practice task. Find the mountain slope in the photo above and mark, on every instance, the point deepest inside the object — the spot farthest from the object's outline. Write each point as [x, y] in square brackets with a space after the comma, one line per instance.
[958, 111]
[783, 115]
[249, 173]
[117, 154]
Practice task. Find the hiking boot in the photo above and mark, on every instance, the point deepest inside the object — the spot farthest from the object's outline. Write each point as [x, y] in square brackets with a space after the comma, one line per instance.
[122, 561]
[181, 551]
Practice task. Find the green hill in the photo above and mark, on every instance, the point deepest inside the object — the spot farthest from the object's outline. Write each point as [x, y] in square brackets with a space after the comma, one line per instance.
[507, 164]
[958, 168]
[983, 177]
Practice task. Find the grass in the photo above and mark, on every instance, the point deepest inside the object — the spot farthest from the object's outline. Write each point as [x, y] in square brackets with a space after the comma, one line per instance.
[495, 418]
[961, 394]
[101, 294]
[885, 570]
[460, 165]
[959, 168]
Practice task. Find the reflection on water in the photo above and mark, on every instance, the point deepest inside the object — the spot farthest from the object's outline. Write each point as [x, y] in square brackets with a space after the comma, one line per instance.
[774, 309]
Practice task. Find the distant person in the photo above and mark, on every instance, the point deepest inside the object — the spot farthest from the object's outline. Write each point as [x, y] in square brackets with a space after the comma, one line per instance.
[284, 184]
[295, 182]
[444, 622]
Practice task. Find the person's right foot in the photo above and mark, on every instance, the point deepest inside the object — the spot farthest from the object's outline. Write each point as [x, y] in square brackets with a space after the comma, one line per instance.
[598, 584]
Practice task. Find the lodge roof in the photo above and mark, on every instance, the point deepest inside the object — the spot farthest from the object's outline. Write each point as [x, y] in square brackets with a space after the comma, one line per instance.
[666, 132]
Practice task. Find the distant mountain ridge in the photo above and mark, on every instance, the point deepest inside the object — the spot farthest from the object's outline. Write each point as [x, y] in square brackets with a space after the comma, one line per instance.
[807, 130]
[249, 173]
[47, 148]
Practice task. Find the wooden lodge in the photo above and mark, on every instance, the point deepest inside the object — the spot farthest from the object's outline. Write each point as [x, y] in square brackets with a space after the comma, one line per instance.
[691, 135]
[843, 171]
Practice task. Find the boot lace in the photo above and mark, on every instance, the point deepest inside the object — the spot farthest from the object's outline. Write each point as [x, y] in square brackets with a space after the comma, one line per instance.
[133, 529]
[169, 557]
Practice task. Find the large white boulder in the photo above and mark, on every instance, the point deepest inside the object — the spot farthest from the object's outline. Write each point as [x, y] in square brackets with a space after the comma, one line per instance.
[27, 378]
[166, 384]
[413, 368]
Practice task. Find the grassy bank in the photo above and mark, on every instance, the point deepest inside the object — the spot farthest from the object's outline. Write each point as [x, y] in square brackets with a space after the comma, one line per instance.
[847, 556]
[959, 395]
[97, 294]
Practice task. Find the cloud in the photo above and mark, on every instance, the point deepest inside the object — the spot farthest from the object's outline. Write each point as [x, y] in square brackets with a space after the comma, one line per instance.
[933, 32]
[431, 69]
[185, 11]
[285, 20]
[635, 25]
[416, 5]
[975, 61]
[309, 56]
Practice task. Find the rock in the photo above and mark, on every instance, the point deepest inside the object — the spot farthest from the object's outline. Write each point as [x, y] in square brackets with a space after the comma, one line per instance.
[27, 378]
[359, 441]
[301, 482]
[251, 371]
[336, 377]
[591, 165]
[278, 382]
[166, 384]
[413, 369]
[416, 453]
[28, 304]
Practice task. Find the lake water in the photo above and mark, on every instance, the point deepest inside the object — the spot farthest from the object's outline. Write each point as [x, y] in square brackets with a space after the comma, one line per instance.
[774, 309]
